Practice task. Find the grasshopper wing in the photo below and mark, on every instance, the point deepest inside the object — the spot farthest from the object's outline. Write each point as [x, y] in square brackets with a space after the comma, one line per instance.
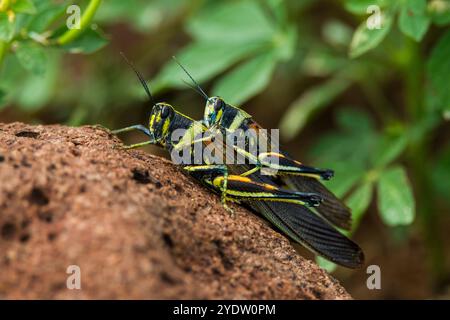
[331, 208]
[306, 228]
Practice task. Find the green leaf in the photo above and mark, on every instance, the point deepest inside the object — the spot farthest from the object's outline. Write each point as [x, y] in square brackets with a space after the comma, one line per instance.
[246, 80]
[438, 75]
[309, 102]
[355, 121]
[413, 20]
[326, 264]
[320, 63]
[149, 15]
[337, 33]
[440, 11]
[45, 17]
[37, 90]
[347, 150]
[365, 39]
[89, 42]
[278, 10]
[346, 173]
[6, 27]
[24, 6]
[395, 198]
[360, 6]
[32, 57]
[142, 16]
[388, 149]
[359, 201]
[232, 22]
[204, 61]
[285, 43]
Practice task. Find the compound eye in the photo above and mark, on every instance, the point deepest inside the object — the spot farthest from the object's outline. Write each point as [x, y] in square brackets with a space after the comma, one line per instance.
[165, 112]
[218, 105]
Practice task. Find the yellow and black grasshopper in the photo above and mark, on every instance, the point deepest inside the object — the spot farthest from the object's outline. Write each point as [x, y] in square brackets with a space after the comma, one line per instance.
[228, 119]
[287, 210]
[165, 120]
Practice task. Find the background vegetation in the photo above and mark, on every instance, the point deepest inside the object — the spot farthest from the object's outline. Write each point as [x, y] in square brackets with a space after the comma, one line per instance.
[372, 104]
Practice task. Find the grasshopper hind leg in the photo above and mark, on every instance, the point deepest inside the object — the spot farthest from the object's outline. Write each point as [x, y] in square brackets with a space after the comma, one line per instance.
[287, 166]
[205, 172]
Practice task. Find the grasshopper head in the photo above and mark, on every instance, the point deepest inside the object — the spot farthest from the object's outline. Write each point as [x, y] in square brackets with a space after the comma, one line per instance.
[213, 111]
[159, 123]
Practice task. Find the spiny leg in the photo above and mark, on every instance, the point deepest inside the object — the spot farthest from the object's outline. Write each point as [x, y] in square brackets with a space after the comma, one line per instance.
[218, 169]
[284, 165]
[288, 166]
[243, 188]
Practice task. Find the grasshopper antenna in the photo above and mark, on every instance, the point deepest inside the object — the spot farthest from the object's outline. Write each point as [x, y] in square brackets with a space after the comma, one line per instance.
[197, 86]
[139, 75]
[194, 88]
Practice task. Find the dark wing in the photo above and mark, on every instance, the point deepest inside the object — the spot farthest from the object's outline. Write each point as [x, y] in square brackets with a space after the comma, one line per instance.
[331, 208]
[306, 228]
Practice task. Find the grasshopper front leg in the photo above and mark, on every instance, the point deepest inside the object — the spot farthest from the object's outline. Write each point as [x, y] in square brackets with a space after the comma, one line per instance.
[139, 127]
[136, 145]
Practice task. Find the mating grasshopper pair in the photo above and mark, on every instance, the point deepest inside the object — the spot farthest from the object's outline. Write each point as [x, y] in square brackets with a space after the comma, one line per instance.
[289, 209]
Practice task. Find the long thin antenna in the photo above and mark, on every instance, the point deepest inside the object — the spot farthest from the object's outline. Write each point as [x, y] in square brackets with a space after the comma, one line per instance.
[192, 87]
[139, 75]
[199, 89]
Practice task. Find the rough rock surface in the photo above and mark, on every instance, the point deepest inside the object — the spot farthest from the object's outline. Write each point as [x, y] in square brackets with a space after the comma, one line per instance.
[134, 224]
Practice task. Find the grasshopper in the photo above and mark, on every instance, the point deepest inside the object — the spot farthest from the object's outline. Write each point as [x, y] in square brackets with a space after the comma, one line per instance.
[227, 119]
[283, 208]
[164, 119]
[286, 210]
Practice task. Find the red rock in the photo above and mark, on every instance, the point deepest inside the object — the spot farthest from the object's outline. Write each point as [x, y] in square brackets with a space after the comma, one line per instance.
[135, 225]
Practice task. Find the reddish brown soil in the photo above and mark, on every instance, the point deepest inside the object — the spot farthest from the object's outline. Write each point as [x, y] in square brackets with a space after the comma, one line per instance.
[134, 224]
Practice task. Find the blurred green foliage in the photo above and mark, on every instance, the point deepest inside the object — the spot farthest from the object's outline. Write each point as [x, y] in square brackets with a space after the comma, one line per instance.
[380, 142]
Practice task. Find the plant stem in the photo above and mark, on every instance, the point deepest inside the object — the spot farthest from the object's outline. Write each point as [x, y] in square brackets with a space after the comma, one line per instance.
[381, 106]
[3, 49]
[426, 209]
[4, 4]
[72, 34]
